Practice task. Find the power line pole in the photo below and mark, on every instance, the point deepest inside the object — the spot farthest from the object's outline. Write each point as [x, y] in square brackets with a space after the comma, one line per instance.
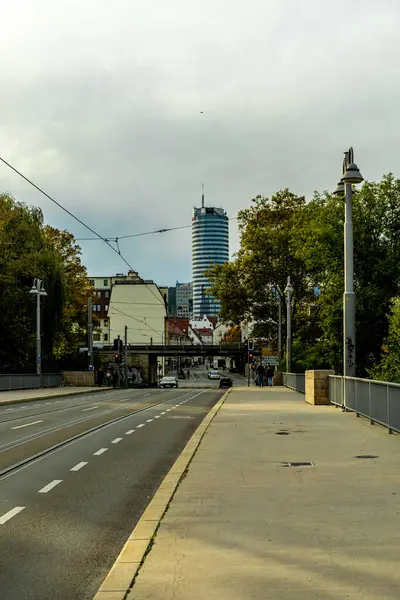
[90, 330]
[126, 357]
[280, 328]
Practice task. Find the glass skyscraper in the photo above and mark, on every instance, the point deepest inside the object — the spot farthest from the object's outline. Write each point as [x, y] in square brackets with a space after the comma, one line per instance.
[210, 245]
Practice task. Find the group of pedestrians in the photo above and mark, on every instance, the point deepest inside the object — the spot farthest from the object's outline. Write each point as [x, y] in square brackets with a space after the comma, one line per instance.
[263, 373]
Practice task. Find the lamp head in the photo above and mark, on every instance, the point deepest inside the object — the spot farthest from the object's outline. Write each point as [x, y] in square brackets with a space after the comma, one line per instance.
[352, 174]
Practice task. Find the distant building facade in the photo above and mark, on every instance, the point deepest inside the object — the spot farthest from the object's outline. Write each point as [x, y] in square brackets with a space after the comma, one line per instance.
[184, 300]
[210, 245]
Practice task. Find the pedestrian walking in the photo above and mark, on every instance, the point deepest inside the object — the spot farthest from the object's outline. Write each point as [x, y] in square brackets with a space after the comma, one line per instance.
[270, 374]
[260, 375]
[115, 379]
[188, 374]
[100, 376]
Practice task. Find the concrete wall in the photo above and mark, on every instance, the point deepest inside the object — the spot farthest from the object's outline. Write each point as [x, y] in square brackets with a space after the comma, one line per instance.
[79, 378]
[317, 386]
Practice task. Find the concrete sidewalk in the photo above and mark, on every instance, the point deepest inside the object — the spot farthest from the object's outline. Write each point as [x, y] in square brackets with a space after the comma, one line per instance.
[242, 526]
[17, 396]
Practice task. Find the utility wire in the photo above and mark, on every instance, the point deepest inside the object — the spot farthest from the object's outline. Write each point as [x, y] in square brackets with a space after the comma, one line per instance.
[132, 235]
[98, 236]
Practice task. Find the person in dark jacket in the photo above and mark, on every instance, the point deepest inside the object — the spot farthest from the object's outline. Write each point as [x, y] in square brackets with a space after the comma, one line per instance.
[260, 375]
[270, 374]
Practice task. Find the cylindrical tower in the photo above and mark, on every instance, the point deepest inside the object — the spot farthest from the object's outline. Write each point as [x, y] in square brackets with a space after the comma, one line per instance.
[210, 245]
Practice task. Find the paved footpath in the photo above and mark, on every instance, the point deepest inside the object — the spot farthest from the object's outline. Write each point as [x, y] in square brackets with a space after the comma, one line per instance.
[243, 527]
[16, 396]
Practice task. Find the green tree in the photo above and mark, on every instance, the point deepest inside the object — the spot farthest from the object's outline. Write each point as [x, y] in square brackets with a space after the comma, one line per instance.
[389, 367]
[29, 250]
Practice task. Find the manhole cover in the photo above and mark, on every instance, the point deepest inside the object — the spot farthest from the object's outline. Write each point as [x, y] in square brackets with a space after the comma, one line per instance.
[282, 433]
[366, 456]
[306, 463]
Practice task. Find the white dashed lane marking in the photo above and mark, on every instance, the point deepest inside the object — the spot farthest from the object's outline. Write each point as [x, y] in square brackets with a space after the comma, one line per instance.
[130, 431]
[10, 514]
[78, 466]
[27, 425]
[141, 425]
[157, 417]
[50, 486]
[116, 440]
[163, 413]
[149, 420]
[91, 408]
[101, 451]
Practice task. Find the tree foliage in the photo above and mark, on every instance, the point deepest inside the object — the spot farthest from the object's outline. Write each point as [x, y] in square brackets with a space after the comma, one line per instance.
[29, 249]
[285, 235]
[389, 367]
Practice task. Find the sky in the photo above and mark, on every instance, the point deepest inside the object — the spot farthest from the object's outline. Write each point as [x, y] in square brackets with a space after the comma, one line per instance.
[120, 110]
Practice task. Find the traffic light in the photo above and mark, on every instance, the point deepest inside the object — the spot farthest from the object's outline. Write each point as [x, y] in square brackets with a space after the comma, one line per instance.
[250, 357]
[251, 344]
[117, 357]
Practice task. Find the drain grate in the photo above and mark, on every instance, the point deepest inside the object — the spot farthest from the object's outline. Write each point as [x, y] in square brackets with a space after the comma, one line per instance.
[282, 432]
[366, 456]
[306, 463]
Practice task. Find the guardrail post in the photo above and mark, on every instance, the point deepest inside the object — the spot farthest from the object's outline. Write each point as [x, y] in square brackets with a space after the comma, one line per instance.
[390, 430]
[372, 422]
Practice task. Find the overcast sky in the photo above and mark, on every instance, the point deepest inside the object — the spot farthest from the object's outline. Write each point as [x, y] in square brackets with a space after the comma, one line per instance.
[101, 105]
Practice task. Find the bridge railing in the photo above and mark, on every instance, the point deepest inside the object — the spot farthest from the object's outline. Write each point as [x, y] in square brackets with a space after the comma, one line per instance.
[27, 381]
[295, 381]
[378, 401]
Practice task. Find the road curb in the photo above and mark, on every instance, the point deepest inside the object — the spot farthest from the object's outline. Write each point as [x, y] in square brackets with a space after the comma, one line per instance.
[122, 575]
[51, 396]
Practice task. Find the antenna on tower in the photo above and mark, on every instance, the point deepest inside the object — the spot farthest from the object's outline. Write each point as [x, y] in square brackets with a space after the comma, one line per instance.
[202, 195]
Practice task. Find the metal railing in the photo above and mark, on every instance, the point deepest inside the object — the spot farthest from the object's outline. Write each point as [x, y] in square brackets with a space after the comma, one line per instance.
[28, 381]
[295, 381]
[378, 401]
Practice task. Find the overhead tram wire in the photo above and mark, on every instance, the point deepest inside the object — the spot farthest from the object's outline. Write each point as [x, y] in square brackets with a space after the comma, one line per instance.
[132, 235]
[98, 236]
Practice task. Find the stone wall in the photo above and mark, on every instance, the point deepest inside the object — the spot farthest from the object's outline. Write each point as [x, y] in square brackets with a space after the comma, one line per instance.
[79, 378]
[317, 386]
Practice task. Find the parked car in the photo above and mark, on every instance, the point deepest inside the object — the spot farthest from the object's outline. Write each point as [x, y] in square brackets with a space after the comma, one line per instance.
[168, 382]
[226, 382]
[213, 375]
[233, 370]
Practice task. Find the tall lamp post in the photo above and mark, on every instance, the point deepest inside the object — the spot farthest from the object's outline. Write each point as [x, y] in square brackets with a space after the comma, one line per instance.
[351, 175]
[289, 291]
[38, 290]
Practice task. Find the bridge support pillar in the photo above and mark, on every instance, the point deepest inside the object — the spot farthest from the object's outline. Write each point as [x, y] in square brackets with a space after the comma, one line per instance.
[317, 386]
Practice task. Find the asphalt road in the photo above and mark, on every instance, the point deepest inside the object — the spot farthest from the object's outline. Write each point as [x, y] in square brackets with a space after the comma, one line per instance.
[65, 515]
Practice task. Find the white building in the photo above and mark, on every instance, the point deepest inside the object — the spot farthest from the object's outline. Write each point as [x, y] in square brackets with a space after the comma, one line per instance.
[141, 307]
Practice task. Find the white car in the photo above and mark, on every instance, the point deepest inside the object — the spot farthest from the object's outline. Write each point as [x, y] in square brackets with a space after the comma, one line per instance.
[167, 382]
[213, 375]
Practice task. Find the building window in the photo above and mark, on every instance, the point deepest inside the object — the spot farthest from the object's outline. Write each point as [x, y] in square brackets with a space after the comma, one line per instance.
[106, 294]
[91, 281]
[96, 337]
[105, 282]
[98, 293]
[106, 337]
[106, 307]
[94, 308]
[105, 322]
[99, 308]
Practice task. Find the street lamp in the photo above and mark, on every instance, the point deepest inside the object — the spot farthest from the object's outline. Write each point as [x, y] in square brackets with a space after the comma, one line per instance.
[289, 291]
[351, 175]
[38, 290]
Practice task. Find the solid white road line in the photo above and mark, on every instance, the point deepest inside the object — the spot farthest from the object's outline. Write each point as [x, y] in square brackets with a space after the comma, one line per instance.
[10, 514]
[149, 420]
[50, 486]
[101, 451]
[91, 408]
[116, 440]
[27, 425]
[141, 425]
[78, 466]
[130, 431]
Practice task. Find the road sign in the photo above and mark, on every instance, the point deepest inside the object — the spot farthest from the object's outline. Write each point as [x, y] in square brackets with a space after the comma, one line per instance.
[39, 359]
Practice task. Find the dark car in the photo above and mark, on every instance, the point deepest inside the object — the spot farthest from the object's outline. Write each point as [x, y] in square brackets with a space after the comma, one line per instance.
[233, 370]
[225, 382]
